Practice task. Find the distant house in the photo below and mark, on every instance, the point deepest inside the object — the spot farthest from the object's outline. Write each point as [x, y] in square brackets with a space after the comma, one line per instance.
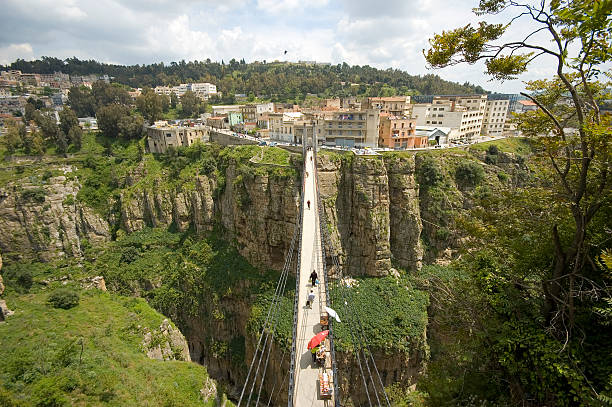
[437, 135]
[526, 106]
[90, 123]
[162, 135]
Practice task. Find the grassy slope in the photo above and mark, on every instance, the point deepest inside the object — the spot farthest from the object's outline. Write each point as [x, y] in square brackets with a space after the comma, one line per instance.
[41, 351]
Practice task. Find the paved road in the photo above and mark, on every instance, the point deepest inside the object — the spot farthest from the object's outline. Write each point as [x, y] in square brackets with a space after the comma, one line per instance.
[306, 392]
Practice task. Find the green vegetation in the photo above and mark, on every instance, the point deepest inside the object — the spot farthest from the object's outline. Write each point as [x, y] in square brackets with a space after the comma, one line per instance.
[279, 82]
[393, 315]
[89, 355]
[64, 298]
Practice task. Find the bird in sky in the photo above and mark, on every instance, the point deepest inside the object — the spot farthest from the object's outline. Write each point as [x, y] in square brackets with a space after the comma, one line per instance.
[285, 52]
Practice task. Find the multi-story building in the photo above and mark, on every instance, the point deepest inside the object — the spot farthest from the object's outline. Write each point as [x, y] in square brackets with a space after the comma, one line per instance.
[220, 110]
[282, 125]
[494, 118]
[463, 113]
[398, 132]
[393, 105]
[349, 128]
[203, 90]
[249, 112]
[161, 136]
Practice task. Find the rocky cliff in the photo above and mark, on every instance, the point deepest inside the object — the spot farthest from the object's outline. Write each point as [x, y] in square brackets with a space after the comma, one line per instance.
[372, 208]
[40, 218]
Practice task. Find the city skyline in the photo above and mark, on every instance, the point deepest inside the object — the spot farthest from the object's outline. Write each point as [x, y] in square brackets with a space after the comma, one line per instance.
[140, 32]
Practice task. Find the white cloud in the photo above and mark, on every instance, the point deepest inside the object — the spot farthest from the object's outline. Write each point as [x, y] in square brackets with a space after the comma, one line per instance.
[12, 52]
[283, 6]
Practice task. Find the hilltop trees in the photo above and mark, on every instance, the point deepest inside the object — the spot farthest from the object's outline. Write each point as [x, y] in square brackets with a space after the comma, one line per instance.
[150, 105]
[565, 290]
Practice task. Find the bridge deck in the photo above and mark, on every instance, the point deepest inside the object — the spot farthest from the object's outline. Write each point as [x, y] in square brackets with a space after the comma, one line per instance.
[306, 389]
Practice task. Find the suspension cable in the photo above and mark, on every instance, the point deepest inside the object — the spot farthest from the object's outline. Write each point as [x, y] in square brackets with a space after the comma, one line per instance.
[267, 323]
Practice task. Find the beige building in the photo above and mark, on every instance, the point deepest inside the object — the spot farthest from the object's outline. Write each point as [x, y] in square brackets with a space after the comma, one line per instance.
[494, 118]
[282, 126]
[463, 113]
[220, 110]
[394, 105]
[161, 135]
[349, 128]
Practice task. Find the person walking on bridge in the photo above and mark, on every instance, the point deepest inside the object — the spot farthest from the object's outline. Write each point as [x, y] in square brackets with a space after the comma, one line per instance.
[310, 299]
[308, 203]
[313, 278]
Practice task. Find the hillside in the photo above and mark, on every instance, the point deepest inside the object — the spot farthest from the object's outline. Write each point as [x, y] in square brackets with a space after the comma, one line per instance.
[280, 82]
[445, 248]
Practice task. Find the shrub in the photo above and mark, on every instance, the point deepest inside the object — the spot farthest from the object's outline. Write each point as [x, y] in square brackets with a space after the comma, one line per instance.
[69, 200]
[493, 149]
[64, 298]
[429, 173]
[208, 166]
[21, 276]
[46, 175]
[469, 174]
[491, 159]
[34, 195]
[502, 176]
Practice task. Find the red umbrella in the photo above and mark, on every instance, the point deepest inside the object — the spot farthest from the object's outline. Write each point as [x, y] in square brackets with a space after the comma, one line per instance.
[317, 339]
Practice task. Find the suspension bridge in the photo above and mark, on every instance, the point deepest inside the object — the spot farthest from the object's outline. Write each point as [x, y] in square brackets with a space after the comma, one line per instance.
[313, 377]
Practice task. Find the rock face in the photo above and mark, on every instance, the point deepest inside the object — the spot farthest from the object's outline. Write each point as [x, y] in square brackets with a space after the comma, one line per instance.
[44, 221]
[1, 281]
[373, 214]
[166, 343]
[371, 204]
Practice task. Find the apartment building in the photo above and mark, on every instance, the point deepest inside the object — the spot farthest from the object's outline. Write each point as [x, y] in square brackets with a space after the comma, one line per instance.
[494, 118]
[282, 126]
[249, 112]
[162, 135]
[220, 110]
[393, 105]
[463, 113]
[398, 132]
[349, 128]
[203, 90]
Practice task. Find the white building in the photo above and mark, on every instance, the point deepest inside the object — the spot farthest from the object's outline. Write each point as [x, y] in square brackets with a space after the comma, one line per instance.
[494, 118]
[220, 110]
[282, 125]
[462, 113]
[203, 90]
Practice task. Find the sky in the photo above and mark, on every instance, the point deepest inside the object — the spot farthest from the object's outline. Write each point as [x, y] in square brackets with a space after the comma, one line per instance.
[384, 34]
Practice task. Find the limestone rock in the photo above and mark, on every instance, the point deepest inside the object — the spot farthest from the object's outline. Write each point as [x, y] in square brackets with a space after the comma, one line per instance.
[166, 343]
[42, 219]
[209, 389]
[4, 311]
[96, 282]
[1, 282]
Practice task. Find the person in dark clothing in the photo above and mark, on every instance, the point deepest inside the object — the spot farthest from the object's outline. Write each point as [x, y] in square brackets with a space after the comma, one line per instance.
[313, 277]
[308, 202]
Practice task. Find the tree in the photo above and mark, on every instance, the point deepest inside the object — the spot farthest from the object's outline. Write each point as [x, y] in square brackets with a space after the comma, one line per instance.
[61, 143]
[81, 101]
[173, 100]
[47, 124]
[68, 119]
[189, 103]
[12, 139]
[108, 119]
[580, 44]
[29, 112]
[150, 105]
[131, 126]
[75, 134]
